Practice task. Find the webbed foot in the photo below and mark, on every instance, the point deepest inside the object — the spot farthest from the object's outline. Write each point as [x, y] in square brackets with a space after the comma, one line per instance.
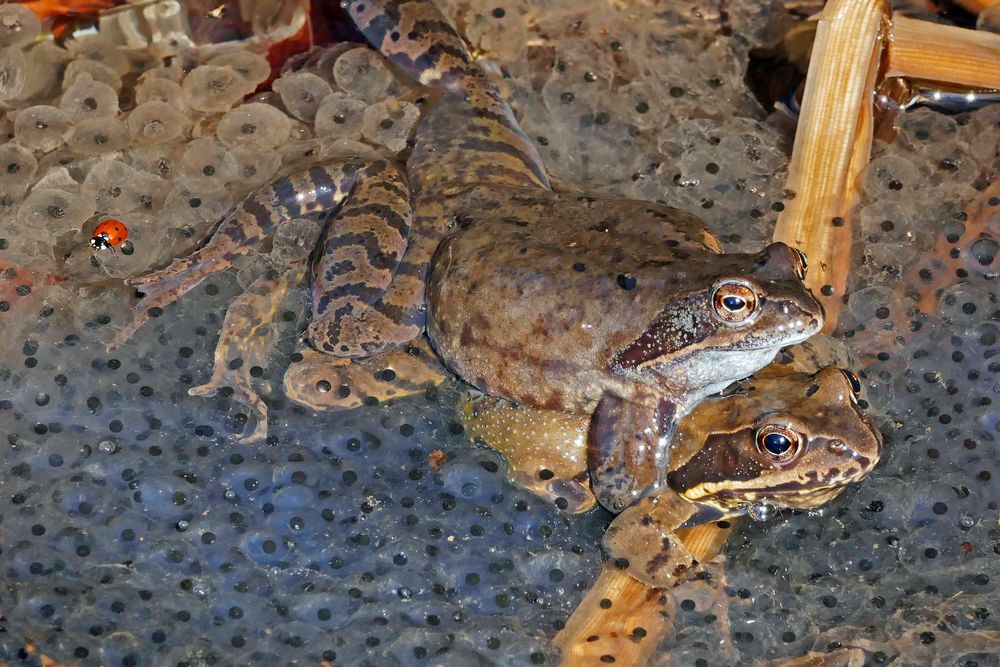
[546, 449]
[645, 536]
[323, 382]
[245, 342]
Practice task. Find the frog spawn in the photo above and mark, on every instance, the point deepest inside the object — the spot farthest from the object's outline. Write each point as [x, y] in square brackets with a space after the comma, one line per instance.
[910, 552]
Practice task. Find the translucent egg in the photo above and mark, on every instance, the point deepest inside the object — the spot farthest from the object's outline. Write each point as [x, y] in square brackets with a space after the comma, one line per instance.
[211, 88]
[196, 200]
[254, 123]
[302, 93]
[253, 67]
[158, 89]
[297, 155]
[362, 72]
[389, 123]
[89, 99]
[161, 160]
[91, 69]
[117, 189]
[18, 25]
[254, 167]
[340, 115]
[41, 128]
[327, 60]
[43, 73]
[253, 267]
[344, 149]
[12, 72]
[206, 158]
[98, 135]
[100, 49]
[294, 240]
[17, 168]
[56, 211]
[154, 122]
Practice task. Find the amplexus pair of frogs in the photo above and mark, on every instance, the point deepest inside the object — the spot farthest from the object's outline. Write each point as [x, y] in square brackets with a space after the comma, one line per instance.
[625, 310]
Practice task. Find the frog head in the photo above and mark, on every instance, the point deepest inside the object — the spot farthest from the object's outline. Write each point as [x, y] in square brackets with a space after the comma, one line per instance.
[792, 441]
[724, 319]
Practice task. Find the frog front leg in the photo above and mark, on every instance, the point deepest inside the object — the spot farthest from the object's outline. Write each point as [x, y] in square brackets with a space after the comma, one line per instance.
[626, 448]
[645, 536]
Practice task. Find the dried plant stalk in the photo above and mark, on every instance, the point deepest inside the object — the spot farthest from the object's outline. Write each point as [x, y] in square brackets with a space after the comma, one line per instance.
[833, 143]
[943, 53]
[625, 619]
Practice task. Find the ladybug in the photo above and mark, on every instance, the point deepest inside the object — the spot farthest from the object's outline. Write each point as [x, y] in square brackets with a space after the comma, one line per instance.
[108, 234]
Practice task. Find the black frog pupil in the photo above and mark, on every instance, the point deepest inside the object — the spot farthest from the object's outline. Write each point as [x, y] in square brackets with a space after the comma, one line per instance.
[734, 303]
[776, 443]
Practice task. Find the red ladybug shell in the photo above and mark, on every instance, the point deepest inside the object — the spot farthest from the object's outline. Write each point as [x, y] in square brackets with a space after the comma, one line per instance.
[109, 234]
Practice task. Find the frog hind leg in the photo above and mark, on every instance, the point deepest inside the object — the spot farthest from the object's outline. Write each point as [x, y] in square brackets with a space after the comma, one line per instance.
[470, 136]
[245, 343]
[644, 535]
[366, 299]
[323, 382]
[311, 192]
[626, 448]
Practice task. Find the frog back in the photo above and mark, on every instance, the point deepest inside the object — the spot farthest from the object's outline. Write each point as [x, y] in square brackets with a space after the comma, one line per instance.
[531, 301]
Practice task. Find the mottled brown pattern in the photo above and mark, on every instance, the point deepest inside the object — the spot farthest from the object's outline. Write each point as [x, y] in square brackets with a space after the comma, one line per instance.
[716, 468]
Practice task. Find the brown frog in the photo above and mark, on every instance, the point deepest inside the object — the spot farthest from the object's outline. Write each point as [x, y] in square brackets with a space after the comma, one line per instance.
[623, 308]
[793, 441]
[787, 438]
[631, 322]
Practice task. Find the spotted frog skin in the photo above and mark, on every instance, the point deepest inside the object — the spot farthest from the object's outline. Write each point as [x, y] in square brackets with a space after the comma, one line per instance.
[598, 314]
[790, 441]
[656, 319]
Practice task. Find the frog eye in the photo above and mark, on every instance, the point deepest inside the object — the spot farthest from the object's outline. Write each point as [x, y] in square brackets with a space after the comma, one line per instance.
[734, 302]
[803, 264]
[853, 379]
[778, 442]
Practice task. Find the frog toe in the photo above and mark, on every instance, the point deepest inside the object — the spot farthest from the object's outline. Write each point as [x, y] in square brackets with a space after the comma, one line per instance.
[323, 382]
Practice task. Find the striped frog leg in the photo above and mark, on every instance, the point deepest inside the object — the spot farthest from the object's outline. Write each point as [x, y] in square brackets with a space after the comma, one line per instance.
[470, 136]
[245, 343]
[322, 382]
[368, 292]
[310, 193]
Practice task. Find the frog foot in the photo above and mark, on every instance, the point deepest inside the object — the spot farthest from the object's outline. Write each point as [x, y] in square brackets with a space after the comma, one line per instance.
[545, 449]
[645, 536]
[244, 345]
[323, 382]
[161, 288]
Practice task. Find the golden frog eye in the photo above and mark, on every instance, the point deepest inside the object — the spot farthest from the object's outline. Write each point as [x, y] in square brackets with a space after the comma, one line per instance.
[778, 442]
[854, 381]
[734, 302]
[803, 264]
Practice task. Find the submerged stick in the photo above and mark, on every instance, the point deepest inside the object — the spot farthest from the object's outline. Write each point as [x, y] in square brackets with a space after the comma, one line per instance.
[833, 143]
